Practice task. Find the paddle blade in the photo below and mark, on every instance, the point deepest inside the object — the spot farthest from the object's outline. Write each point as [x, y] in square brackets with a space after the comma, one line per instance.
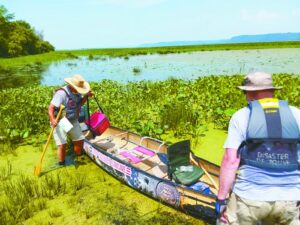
[37, 169]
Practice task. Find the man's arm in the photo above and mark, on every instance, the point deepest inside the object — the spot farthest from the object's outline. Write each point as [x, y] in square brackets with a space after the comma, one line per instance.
[84, 99]
[51, 109]
[229, 167]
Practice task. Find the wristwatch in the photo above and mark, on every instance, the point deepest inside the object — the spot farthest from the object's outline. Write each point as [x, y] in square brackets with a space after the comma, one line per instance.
[220, 206]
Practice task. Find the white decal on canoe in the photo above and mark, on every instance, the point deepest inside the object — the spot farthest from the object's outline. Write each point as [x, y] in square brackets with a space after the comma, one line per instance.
[110, 162]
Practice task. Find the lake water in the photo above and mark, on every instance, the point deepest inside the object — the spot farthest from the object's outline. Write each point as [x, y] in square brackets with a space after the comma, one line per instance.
[157, 67]
[184, 65]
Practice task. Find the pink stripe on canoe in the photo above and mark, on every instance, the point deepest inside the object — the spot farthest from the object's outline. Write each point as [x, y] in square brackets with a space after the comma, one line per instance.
[131, 157]
[144, 151]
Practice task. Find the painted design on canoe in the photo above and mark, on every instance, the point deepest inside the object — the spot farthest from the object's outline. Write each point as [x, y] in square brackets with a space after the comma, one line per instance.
[168, 193]
[144, 167]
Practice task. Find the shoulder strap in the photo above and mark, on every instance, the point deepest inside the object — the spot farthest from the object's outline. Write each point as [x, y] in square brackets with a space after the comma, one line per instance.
[62, 89]
[291, 129]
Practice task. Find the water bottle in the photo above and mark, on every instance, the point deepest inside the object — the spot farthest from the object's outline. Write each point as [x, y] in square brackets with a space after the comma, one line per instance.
[186, 168]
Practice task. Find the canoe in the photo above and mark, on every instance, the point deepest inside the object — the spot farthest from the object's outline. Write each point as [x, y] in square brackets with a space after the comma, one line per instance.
[141, 162]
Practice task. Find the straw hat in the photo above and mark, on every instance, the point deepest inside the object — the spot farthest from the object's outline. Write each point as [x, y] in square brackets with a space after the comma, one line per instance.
[78, 83]
[258, 81]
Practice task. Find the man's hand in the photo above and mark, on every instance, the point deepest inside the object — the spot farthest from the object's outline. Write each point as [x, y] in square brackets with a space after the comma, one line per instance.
[85, 97]
[220, 209]
[90, 94]
[53, 123]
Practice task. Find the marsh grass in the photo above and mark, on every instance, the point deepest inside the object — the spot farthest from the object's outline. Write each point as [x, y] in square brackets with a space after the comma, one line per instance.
[20, 199]
[53, 185]
[24, 195]
[83, 198]
[5, 171]
[7, 146]
[178, 114]
[79, 181]
[55, 56]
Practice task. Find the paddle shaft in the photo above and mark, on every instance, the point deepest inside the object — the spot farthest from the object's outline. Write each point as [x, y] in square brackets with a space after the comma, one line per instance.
[50, 135]
[205, 171]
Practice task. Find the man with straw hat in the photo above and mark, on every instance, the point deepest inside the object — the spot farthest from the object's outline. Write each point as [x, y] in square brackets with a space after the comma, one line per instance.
[72, 96]
[261, 161]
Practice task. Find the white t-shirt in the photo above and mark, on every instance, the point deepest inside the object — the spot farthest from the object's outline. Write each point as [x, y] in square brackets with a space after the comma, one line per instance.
[261, 184]
[60, 97]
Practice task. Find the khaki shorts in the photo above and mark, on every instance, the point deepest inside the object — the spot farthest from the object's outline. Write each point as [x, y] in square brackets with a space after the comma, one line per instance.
[60, 136]
[249, 212]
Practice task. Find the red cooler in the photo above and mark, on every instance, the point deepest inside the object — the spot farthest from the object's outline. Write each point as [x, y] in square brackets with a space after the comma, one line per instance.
[99, 123]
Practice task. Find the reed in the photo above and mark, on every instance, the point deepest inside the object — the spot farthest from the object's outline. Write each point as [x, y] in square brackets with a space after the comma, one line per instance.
[6, 171]
[53, 185]
[79, 181]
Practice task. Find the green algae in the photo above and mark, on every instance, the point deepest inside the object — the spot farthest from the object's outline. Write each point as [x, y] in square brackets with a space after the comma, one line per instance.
[76, 194]
[208, 145]
[211, 145]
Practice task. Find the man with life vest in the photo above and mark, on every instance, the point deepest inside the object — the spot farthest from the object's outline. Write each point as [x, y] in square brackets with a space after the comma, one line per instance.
[72, 96]
[261, 160]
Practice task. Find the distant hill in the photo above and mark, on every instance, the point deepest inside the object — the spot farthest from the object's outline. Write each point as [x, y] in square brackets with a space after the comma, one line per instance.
[236, 39]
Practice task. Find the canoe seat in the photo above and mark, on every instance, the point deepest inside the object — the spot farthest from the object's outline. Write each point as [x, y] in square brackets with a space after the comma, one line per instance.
[144, 150]
[132, 158]
[179, 167]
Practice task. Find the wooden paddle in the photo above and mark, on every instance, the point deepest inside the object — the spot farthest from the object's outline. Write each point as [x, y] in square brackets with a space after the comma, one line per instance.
[205, 171]
[38, 166]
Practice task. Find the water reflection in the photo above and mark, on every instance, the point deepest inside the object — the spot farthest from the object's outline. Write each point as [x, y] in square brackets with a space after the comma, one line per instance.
[27, 75]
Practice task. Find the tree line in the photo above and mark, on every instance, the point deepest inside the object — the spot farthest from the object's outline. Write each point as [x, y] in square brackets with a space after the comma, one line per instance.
[18, 38]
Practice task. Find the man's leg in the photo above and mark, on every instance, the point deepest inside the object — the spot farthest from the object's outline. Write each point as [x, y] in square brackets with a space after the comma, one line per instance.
[78, 145]
[252, 212]
[77, 138]
[61, 154]
[60, 137]
[284, 212]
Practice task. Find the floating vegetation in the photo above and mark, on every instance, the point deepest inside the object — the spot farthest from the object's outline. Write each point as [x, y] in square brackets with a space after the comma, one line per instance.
[126, 57]
[136, 70]
[149, 106]
[178, 107]
[91, 57]
[71, 64]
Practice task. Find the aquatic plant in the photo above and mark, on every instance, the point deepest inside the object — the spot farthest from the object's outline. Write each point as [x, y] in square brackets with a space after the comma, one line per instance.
[136, 70]
[79, 181]
[53, 184]
[91, 57]
[146, 107]
[5, 171]
[46, 58]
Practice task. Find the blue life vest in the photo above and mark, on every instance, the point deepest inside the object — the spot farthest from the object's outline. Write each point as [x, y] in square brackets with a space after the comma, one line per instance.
[273, 136]
[72, 108]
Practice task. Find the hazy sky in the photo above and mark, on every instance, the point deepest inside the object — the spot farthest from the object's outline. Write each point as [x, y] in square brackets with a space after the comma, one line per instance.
[76, 24]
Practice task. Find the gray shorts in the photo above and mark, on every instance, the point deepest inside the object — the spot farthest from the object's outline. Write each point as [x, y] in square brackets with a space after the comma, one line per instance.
[249, 212]
[60, 136]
